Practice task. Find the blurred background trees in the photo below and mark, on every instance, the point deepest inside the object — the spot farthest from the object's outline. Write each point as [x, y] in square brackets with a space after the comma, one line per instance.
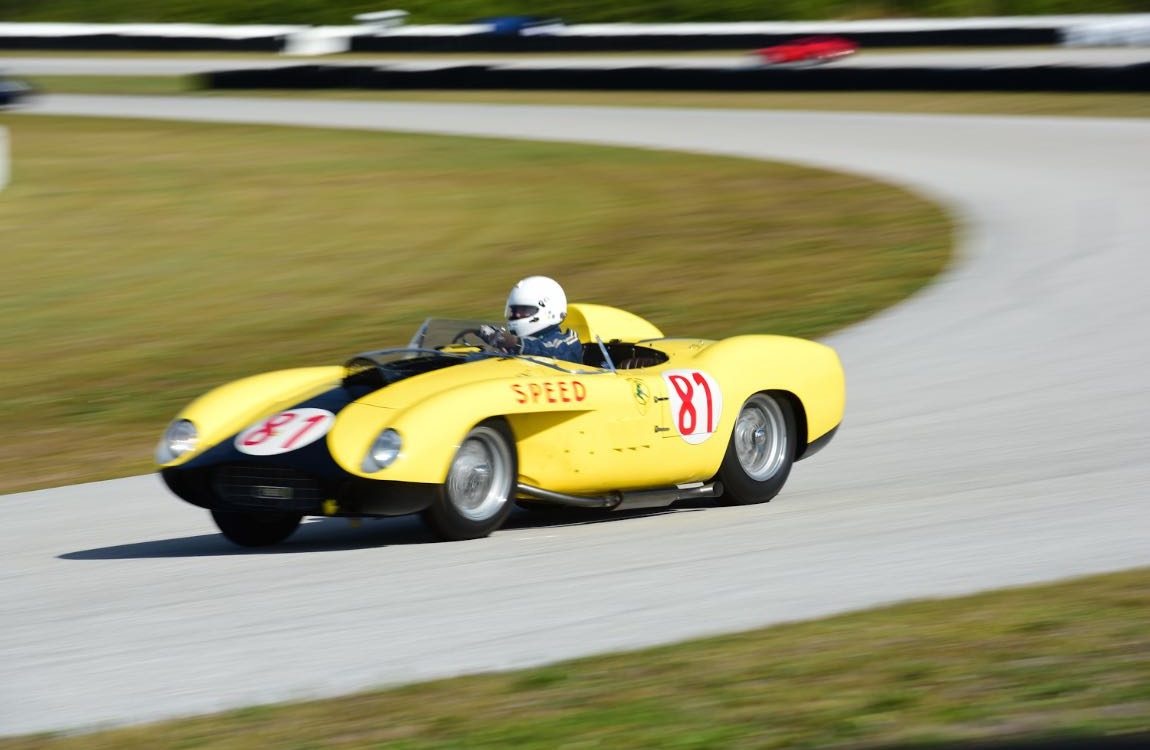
[572, 11]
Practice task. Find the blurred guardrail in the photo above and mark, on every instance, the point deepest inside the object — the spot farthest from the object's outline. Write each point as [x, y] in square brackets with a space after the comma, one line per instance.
[176, 37]
[624, 37]
[558, 37]
[1133, 77]
[1116, 31]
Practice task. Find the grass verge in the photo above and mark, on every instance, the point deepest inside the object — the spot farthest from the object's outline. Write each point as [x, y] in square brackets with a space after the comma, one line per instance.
[981, 103]
[573, 11]
[150, 261]
[1069, 659]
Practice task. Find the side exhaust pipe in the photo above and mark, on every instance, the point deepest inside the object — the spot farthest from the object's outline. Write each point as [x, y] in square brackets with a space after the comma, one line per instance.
[623, 500]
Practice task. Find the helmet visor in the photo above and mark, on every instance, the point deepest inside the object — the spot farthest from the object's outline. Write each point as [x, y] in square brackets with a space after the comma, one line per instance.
[518, 312]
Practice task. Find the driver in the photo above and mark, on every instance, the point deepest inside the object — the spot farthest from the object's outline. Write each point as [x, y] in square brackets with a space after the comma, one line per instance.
[535, 308]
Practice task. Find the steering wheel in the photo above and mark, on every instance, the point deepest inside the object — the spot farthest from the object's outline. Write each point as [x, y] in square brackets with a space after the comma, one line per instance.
[462, 338]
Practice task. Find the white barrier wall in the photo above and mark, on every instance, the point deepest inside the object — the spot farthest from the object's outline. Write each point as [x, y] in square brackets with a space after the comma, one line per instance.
[1119, 31]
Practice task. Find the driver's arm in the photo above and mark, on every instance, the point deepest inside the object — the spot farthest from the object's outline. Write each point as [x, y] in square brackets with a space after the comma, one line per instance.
[500, 339]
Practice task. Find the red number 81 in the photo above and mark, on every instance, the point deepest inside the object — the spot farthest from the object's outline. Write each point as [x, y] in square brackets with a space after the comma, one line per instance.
[688, 416]
[268, 429]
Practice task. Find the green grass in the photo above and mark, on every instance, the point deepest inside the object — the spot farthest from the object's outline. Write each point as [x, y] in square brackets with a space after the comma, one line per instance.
[147, 262]
[574, 11]
[1065, 660]
[153, 85]
[985, 103]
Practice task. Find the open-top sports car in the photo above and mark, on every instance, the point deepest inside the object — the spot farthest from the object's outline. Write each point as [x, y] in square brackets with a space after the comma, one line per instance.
[457, 431]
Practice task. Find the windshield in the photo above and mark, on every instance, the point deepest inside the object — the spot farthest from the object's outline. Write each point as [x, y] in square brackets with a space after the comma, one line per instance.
[439, 343]
[452, 335]
[436, 333]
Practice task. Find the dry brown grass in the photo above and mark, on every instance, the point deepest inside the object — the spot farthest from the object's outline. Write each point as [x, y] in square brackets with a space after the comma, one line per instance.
[924, 102]
[147, 261]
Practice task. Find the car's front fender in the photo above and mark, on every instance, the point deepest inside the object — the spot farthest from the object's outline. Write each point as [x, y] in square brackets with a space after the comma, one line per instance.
[224, 411]
[433, 427]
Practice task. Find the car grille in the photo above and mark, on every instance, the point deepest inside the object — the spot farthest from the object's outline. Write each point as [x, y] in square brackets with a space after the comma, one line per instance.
[269, 488]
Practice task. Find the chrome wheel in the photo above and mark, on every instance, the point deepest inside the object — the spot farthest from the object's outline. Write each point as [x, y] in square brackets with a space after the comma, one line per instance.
[760, 438]
[479, 480]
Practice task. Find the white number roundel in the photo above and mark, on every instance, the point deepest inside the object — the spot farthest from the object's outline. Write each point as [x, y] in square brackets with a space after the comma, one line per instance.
[284, 432]
[696, 403]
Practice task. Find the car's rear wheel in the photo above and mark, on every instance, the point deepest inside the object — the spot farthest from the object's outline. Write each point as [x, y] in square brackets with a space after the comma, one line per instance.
[476, 498]
[256, 529]
[761, 451]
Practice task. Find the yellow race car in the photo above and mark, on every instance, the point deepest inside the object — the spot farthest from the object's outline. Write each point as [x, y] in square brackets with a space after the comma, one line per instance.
[449, 428]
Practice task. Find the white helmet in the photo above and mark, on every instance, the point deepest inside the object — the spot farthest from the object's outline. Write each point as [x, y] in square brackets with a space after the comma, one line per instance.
[535, 303]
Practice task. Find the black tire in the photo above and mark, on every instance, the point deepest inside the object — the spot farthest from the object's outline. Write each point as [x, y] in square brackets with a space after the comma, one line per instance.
[479, 492]
[755, 467]
[256, 529]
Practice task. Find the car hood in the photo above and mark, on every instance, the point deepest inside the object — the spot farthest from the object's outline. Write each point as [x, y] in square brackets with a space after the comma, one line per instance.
[416, 389]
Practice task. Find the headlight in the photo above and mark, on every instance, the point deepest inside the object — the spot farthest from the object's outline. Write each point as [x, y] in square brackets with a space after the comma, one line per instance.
[383, 451]
[178, 439]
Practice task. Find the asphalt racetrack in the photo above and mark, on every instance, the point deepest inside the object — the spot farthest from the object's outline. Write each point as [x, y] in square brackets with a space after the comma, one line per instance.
[997, 434]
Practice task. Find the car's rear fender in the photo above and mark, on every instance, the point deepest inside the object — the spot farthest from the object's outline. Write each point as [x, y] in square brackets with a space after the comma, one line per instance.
[592, 322]
[808, 371]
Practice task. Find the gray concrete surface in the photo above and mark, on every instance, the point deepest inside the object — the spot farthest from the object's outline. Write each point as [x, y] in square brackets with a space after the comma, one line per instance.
[996, 435]
[101, 65]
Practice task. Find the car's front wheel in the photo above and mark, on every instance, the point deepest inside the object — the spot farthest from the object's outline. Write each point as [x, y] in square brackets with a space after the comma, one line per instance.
[760, 452]
[256, 529]
[477, 496]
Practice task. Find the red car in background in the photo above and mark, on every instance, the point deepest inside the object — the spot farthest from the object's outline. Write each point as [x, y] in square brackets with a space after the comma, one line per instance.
[807, 49]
